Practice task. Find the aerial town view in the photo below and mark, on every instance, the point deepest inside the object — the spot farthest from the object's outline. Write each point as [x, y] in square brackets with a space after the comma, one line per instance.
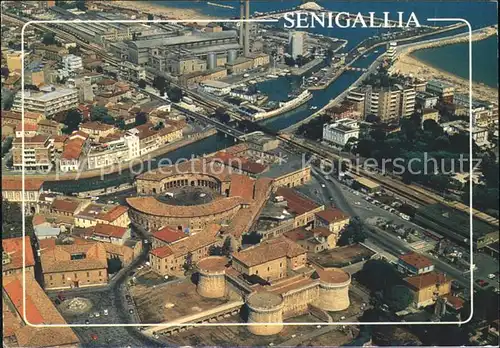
[250, 173]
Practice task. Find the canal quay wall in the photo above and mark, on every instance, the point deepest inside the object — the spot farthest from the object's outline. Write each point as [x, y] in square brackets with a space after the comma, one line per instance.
[123, 166]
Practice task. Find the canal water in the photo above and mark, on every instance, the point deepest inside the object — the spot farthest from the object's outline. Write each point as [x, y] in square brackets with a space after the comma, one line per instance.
[479, 14]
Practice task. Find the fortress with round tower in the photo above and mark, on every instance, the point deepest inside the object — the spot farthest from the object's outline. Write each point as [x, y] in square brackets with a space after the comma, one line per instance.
[276, 282]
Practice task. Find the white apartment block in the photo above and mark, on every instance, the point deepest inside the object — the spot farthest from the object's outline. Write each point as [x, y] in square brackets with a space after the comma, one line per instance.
[391, 50]
[114, 152]
[72, 62]
[339, 132]
[408, 99]
[48, 101]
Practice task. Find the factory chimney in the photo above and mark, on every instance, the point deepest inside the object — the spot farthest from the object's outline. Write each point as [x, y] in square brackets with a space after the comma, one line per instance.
[242, 23]
[247, 28]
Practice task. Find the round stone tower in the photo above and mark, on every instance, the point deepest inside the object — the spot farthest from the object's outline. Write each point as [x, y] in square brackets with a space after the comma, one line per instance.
[212, 280]
[333, 289]
[265, 307]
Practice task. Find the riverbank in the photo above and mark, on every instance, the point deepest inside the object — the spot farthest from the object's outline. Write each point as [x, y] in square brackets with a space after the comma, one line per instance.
[156, 9]
[408, 64]
[100, 172]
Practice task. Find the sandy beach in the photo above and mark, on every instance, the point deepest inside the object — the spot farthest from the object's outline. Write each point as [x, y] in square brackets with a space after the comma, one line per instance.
[407, 64]
[156, 9]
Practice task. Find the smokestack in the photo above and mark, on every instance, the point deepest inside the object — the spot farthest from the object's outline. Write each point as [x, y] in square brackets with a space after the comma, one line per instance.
[247, 28]
[242, 15]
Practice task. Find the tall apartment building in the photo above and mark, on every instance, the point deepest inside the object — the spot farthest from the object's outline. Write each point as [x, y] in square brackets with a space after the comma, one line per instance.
[48, 101]
[391, 50]
[296, 43]
[72, 62]
[408, 99]
[38, 153]
[387, 103]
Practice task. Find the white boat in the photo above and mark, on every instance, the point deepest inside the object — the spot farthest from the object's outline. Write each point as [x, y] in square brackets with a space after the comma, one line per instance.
[313, 107]
[271, 76]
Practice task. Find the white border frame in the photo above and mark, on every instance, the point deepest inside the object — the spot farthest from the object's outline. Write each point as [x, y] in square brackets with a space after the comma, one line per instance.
[173, 324]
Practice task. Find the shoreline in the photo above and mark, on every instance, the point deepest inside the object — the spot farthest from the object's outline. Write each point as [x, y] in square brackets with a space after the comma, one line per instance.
[408, 64]
[159, 10]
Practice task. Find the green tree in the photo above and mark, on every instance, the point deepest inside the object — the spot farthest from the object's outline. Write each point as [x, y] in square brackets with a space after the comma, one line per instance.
[141, 118]
[399, 297]
[6, 145]
[74, 50]
[98, 113]
[142, 83]
[353, 233]
[160, 83]
[5, 72]
[227, 248]
[80, 4]
[72, 121]
[114, 265]
[215, 250]
[222, 115]
[150, 17]
[188, 263]
[378, 275]
[12, 221]
[175, 94]
[49, 38]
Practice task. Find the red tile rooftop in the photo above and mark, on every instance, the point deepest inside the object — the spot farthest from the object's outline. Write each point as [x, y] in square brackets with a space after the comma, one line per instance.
[416, 260]
[14, 247]
[114, 213]
[109, 230]
[297, 203]
[32, 140]
[65, 205]
[426, 280]
[9, 184]
[332, 215]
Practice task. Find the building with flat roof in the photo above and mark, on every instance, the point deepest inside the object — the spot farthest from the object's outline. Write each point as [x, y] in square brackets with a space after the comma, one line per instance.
[444, 90]
[341, 131]
[48, 102]
[38, 153]
[140, 51]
